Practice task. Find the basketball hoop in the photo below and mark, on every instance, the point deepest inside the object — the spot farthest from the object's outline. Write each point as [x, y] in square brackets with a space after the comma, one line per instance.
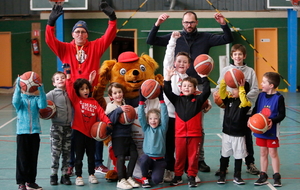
[296, 5]
[57, 2]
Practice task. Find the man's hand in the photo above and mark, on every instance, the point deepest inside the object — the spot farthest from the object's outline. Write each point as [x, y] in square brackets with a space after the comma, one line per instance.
[220, 18]
[104, 7]
[57, 10]
[162, 18]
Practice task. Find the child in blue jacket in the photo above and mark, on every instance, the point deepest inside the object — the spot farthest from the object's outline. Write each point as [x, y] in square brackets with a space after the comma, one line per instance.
[27, 106]
[155, 126]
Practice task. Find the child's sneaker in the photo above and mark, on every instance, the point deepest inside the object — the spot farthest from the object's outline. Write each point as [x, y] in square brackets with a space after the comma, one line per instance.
[22, 187]
[222, 179]
[192, 181]
[176, 181]
[238, 180]
[123, 184]
[197, 179]
[79, 181]
[70, 171]
[53, 179]
[277, 180]
[145, 183]
[251, 168]
[102, 169]
[132, 182]
[262, 180]
[33, 186]
[65, 179]
[93, 179]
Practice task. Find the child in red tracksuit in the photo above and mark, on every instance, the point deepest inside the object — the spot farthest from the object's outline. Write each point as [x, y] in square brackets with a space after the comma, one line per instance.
[87, 111]
[188, 126]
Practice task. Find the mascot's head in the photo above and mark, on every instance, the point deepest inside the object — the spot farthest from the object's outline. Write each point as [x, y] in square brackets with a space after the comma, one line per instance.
[130, 71]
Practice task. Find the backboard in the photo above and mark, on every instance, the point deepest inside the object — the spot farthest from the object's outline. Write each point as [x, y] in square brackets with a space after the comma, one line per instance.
[43, 5]
[279, 4]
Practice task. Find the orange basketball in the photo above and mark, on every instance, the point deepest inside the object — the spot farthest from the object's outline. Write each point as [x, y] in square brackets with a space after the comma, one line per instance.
[203, 64]
[48, 112]
[127, 118]
[218, 100]
[98, 131]
[232, 77]
[204, 105]
[258, 123]
[150, 89]
[30, 81]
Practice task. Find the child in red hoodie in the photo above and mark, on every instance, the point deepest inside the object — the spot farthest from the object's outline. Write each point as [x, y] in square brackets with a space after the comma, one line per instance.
[87, 111]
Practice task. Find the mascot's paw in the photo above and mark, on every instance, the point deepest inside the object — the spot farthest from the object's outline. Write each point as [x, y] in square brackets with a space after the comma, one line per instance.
[107, 141]
[111, 176]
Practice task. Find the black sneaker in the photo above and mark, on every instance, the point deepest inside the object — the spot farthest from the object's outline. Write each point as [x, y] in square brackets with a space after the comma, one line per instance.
[53, 179]
[251, 168]
[277, 180]
[33, 186]
[203, 167]
[221, 180]
[262, 180]
[22, 187]
[238, 180]
[192, 181]
[145, 183]
[65, 179]
[176, 181]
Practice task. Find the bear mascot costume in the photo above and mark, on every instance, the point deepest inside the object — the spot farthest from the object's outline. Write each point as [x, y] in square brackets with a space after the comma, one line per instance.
[130, 71]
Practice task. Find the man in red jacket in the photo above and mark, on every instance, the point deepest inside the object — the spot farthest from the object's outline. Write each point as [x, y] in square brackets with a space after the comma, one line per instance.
[82, 55]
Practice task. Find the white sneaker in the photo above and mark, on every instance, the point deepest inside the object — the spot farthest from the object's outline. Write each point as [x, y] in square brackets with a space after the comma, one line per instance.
[93, 179]
[79, 181]
[132, 182]
[197, 179]
[168, 176]
[123, 184]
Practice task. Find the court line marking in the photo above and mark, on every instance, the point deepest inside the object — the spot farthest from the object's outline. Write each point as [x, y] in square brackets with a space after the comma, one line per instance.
[7, 122]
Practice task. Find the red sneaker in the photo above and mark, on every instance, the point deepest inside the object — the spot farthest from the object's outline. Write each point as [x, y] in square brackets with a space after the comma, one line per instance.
[70, 171]
[102, 169]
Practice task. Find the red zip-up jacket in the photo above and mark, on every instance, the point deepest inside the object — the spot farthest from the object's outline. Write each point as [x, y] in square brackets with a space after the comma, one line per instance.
[188, 116]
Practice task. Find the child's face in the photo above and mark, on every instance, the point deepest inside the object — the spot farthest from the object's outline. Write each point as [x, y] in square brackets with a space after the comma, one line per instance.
[235, 92]
[116, 94]
[84, 91]
[59, 81]
[181, 64]
[265, 85]
[238, 58]
[153, 120]
[187, 88]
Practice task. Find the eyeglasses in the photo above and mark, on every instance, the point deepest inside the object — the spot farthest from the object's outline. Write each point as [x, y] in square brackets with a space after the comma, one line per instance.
[80, 32]
[189, 23]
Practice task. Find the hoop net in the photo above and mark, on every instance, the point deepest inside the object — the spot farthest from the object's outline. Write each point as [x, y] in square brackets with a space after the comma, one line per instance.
[58, 2]
[296, 5]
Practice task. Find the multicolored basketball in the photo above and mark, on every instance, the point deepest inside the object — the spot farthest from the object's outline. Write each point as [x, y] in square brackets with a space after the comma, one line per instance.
[232, 77]
[258, 123]
[150, 89]
[30, 81]
[98, 131]
[48, 112]
[218, 100]
[128, 117]
[203, 64]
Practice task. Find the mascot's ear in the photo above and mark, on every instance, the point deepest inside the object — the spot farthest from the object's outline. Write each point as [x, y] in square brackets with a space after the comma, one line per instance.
[152, 63]
[105, 71]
